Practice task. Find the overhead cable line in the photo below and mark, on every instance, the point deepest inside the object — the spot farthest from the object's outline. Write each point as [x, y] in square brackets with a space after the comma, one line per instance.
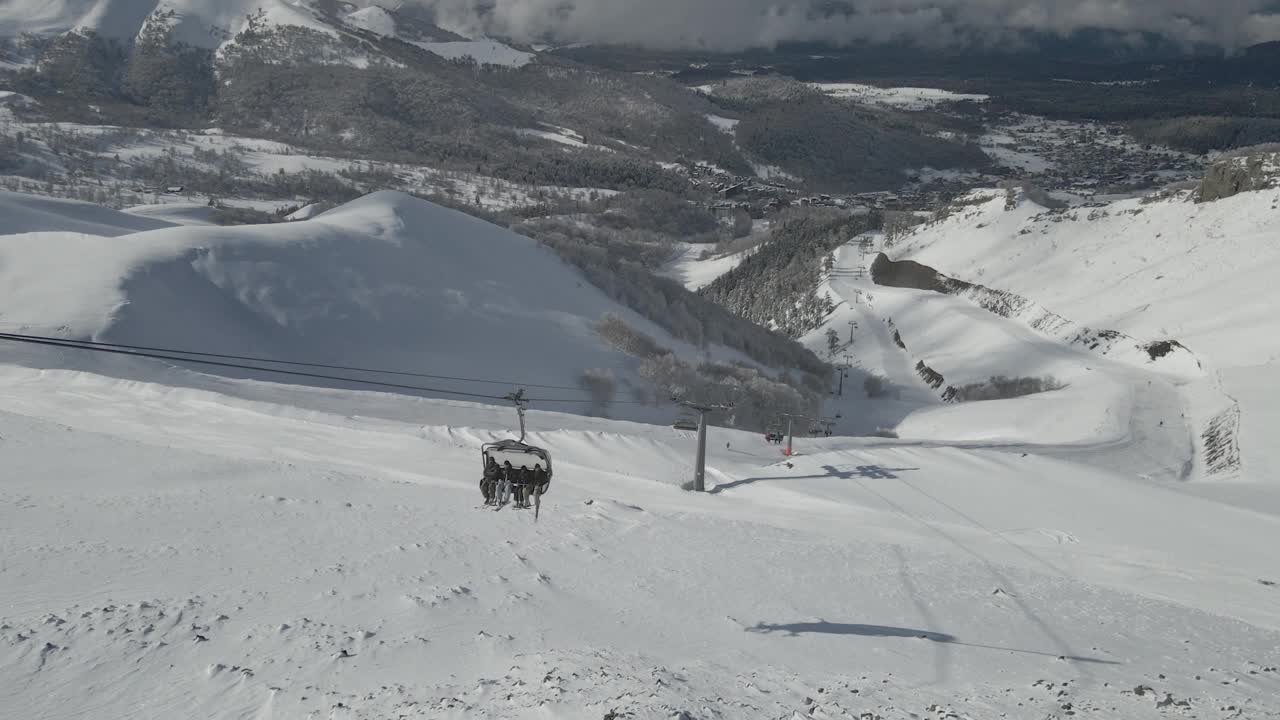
[156, 355]
[273, 361]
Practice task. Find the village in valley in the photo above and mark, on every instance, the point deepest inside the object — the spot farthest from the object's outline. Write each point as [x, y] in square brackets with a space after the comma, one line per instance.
[1074, 162]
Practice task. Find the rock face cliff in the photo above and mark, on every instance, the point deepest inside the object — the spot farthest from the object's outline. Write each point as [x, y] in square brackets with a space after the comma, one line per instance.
[1245, 171]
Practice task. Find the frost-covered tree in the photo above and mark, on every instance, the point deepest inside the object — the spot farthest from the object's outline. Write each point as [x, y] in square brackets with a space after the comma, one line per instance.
[833, 342]
[777, 286]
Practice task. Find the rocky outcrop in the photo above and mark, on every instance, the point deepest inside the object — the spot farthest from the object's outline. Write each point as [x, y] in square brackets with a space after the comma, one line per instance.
[1247, 171]
[931, 377]
[1222, 443]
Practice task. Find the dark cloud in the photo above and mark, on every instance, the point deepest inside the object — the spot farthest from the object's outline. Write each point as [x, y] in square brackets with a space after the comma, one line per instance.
[739, 24]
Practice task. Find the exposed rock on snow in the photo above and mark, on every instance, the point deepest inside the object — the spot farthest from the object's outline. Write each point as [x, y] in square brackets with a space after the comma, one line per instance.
[1238, 173]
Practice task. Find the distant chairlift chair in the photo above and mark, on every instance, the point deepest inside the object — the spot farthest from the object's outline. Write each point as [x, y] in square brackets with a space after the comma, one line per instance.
[685, 422]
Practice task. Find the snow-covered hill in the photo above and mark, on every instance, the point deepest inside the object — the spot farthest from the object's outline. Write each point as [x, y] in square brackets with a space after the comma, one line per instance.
[1172, 269]
[203, 23]
[21, 213]
[387, 281]
[1149, 315]
[214, 23]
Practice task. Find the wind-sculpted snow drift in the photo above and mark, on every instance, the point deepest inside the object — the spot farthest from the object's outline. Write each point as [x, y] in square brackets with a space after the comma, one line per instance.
[387, 281]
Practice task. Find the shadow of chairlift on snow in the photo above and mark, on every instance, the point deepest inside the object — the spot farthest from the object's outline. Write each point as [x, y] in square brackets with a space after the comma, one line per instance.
[822, 627]
[861, 472]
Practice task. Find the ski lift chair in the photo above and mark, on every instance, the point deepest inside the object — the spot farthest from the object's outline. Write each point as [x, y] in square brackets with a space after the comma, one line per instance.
[685, 422]
[773, 433]
[519, 453]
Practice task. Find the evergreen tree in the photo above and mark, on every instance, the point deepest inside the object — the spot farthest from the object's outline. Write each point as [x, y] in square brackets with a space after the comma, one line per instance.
[833, 342]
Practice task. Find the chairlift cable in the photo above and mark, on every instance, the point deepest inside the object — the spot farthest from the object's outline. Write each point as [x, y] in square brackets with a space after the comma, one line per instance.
[249, 358]
[124, 350]
[215, 363]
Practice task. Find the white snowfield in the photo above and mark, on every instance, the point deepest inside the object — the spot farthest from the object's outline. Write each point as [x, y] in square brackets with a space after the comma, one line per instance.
[483, 52]
[176, 544]
[177, 213]
[21, 213]
[694, 271]
[901, 98]
[375, 19]
[723, 124]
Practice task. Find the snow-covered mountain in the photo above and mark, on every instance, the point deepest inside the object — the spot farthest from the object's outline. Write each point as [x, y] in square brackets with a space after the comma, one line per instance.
[213, 24]
[385, 282]
[202, 23]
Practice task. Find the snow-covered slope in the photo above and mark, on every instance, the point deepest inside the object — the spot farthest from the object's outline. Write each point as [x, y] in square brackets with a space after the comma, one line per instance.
[695, 272]
[204, 23]
[179, 552]
[177, 544]
[394, 23]
[214, 23]
[176, 213]
[375, 19]
[899, 98]
[483, 52]
[1162, 269]
[387, 281]
[896, 330]
[1170, 268]
[20, 213]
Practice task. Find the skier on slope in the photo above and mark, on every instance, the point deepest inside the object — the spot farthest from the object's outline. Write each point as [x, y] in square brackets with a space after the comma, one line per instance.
[489, 482]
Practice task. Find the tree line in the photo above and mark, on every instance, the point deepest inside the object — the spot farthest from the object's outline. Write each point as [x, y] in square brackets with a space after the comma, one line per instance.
[777, 285]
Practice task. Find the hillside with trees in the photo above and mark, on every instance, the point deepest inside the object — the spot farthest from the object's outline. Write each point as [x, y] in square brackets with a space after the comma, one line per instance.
[776, 286]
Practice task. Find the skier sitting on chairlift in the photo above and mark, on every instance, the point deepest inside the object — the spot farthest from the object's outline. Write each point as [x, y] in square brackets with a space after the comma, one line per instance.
[522, 484]
[540, 479]
[489, 483]
[504, 486]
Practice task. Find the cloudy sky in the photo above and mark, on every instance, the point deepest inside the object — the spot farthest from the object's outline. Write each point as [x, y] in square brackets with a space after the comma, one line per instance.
[738, 24]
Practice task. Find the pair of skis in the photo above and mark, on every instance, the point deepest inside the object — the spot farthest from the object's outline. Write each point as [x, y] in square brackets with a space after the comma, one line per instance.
[503, 501]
